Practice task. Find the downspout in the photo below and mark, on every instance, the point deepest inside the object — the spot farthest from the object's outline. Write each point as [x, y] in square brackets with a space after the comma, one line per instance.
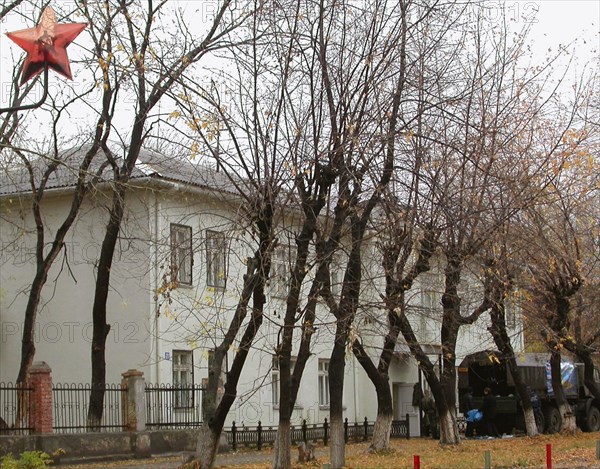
[355, 390]
[156, 308]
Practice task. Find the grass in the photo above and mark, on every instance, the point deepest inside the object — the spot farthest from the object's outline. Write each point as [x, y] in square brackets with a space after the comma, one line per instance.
[568, 452]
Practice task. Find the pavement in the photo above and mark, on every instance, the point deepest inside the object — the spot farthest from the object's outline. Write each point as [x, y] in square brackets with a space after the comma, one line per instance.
[225, 460]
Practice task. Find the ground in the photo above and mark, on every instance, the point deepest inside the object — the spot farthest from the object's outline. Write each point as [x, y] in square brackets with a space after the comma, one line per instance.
[568, 452]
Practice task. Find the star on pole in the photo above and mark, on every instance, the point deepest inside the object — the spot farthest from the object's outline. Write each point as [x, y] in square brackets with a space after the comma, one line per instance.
[46, 45]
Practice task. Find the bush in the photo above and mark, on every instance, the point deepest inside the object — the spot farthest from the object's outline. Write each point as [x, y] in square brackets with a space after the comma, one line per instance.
[27, 460]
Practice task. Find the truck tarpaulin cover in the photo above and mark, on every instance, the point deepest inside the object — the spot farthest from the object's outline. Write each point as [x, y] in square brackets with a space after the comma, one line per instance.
[567, 376]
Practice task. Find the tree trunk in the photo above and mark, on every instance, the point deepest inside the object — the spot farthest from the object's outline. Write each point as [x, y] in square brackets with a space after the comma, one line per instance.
[530, 423]
[283, 446]
[448, 428]
[583, 351]
[449, 434]
[100, 327]
[379, 377]
[588, 372]
[206, 447]
[382, 430]
[337, 451]
[336, 396]
[28, 341]
[502, 341]
[568, 417]
[521, 388]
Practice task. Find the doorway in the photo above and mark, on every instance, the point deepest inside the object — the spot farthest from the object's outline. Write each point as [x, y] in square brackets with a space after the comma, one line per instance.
[402, 394]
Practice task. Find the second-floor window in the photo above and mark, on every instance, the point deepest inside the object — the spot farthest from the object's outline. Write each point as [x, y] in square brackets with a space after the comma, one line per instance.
[510, 314]
[323, 382]
[216, 259]
[181, 254]
[280, 272]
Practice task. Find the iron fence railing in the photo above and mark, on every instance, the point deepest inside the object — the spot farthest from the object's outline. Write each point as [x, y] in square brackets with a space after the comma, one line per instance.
[259, 436]
[15, 407]
[169, 406]
[71, 403]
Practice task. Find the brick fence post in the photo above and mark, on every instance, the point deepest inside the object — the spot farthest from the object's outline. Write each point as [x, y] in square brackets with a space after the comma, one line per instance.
[40, 380]
[134, 400]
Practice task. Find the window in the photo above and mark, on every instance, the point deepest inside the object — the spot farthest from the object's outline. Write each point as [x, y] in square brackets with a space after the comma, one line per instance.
[275, 379]
[510, 314]
[215, 259]
[181, 254]
[429, 303]
[183, 378]
[336, 286]
[280, 272]
[323, 382]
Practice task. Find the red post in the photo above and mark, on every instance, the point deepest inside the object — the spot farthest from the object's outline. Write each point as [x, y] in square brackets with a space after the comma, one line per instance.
[417, 461]
[548, 456]
[40, 418]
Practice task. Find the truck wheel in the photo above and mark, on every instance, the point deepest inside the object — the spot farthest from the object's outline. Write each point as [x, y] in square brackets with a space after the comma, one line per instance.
[540, 421]
[592, 420]
[553, 419]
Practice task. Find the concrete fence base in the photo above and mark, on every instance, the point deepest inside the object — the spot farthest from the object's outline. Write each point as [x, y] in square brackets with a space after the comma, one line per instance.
[97, 445]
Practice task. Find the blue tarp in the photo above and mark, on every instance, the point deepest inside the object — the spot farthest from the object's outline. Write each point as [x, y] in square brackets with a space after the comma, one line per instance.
[568, 376]
[474, 415]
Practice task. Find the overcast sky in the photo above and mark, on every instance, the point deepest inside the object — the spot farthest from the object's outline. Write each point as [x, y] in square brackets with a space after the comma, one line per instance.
[572, 23]
[566, 22]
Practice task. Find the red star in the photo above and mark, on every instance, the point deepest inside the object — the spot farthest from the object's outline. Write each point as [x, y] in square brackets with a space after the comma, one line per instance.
[46, 45]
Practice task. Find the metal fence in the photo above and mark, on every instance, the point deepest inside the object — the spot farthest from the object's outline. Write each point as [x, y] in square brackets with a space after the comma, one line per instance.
[258, 436]
[169, 406]
[461, 422]
[15, 405]
[70, 408]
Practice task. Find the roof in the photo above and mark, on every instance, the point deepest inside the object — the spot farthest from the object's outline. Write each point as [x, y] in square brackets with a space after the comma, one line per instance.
[15, 179]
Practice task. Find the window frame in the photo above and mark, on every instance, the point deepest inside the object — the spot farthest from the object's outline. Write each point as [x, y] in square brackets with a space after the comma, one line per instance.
[177, 248]
[183, 394]
[216, 248]
[280, 272]
[323, 380]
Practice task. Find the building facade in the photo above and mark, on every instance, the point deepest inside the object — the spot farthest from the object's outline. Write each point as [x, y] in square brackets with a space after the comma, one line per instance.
[175, 283]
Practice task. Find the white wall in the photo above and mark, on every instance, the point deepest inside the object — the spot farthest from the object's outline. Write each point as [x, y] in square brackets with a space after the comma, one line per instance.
[63, 326]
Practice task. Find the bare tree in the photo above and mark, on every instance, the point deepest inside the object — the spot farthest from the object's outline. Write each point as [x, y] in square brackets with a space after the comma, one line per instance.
[131, 54]
[504, 275]
[35, 171]
[554, 260]
[468, 177]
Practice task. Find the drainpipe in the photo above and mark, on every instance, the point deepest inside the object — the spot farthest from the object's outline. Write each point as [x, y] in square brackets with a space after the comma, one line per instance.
[355, 390]
[156, 308]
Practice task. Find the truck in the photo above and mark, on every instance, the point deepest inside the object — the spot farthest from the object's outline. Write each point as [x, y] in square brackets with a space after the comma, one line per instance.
[489, 369]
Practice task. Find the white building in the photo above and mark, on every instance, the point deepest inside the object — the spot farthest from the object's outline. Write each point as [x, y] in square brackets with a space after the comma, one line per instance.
[180, 220]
